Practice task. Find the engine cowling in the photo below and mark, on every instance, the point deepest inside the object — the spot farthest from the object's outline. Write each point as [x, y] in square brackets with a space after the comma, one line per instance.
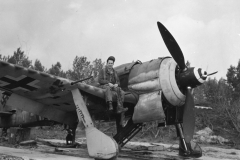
[152, 79]
[144, 80]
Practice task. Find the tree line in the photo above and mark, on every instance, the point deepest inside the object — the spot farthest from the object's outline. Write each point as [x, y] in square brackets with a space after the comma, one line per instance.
[81, 68]
[223, 96]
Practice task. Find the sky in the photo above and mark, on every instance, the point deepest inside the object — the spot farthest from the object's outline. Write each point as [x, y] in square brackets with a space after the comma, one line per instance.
[207, 31]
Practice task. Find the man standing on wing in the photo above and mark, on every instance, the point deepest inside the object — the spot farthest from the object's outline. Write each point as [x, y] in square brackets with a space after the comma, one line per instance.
[109, 80]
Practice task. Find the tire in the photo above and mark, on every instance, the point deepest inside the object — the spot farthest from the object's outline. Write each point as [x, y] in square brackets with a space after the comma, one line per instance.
[114, 158]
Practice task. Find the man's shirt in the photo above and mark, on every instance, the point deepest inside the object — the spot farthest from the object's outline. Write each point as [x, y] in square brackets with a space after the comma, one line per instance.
[104, 77]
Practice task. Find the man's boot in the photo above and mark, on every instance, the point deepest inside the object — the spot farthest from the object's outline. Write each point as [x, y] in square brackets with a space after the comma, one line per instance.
[110, 106]
[120, 109]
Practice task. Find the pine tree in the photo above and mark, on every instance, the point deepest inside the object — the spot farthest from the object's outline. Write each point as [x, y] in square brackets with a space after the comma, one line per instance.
[233, 79]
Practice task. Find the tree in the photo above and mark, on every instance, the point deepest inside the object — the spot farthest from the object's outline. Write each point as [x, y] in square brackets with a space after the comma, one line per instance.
[97, 67]
[38, 66]
[56, 70]
[233, 79]
[4, 58]
[18, 58]
[213, 92]
[81, 69]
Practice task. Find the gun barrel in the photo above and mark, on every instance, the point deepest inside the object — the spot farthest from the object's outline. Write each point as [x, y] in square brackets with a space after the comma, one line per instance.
[81, 80]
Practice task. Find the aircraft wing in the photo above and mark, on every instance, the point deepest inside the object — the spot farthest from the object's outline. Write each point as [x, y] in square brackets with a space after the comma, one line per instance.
[43, 94]
[37, 92]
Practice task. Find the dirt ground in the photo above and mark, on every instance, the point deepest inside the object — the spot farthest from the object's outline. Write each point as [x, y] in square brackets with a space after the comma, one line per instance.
[165, 137]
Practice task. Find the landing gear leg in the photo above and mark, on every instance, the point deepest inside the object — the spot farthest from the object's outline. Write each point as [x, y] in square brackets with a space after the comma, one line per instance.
[190, 149]
[74, 132]
[122, 121]
[99, 145]
[118, 123]
[4, 132]
[183, 149]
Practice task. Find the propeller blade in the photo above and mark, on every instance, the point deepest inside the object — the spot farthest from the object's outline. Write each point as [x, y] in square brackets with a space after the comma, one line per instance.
[172, 46]
[212, 73]
[188, 117]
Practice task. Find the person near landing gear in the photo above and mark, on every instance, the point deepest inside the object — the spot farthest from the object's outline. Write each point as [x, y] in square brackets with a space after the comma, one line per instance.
[69, 137]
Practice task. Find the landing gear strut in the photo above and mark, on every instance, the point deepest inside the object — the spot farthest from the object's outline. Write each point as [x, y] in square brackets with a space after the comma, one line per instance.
[4, 132]
[99, 145]
[190, 149]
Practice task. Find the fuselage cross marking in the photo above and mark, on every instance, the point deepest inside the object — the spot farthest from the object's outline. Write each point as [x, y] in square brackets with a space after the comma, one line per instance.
[23, 82]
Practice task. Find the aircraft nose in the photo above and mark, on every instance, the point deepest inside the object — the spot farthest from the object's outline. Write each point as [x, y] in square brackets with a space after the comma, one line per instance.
[200, 74]
[192, 77]
[203, 74]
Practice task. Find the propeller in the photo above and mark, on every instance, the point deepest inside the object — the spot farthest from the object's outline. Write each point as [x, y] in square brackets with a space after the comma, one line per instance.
[172, 46]
[188, 116]
[189, 112]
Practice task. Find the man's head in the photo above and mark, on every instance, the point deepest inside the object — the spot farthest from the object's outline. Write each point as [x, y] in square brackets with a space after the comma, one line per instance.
[110, 61]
